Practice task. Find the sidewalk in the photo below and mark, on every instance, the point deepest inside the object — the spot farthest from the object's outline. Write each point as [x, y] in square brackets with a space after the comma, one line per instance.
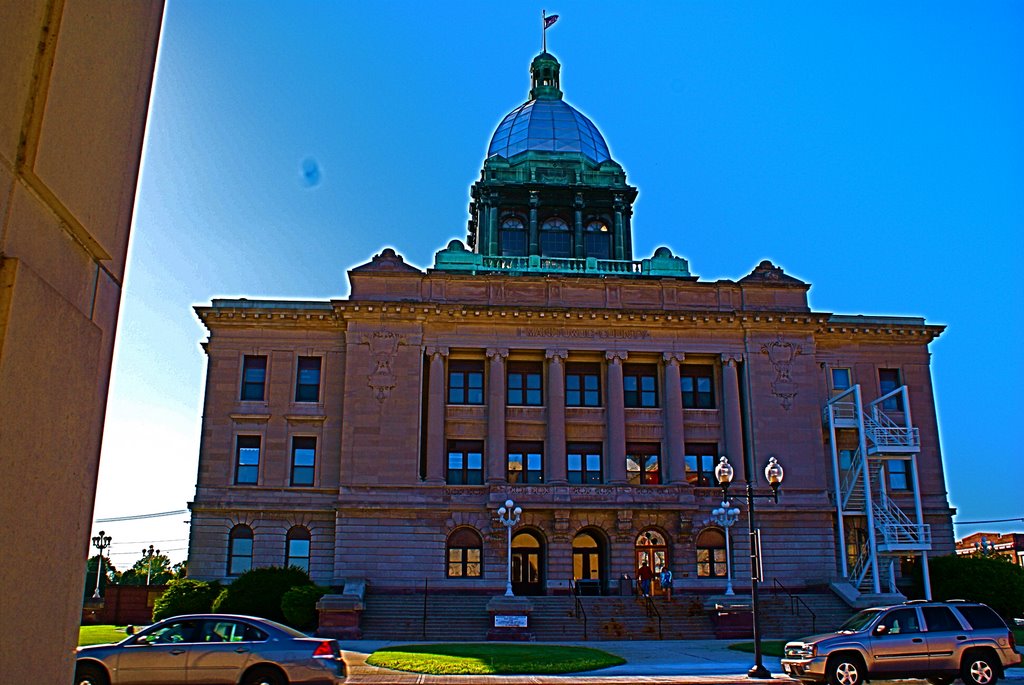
[664, 661]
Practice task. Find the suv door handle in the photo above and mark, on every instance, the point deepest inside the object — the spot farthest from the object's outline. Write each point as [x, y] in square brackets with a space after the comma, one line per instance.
[242, 650]
[176, 652]
[961, 637]
[918, 639]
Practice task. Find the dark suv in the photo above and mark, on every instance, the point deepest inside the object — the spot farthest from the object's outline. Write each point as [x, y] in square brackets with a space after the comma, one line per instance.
[917, 639]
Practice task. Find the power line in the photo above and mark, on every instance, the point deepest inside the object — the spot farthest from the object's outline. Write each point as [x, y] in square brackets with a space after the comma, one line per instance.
[968, 523]
[143, 542]
[136, 517]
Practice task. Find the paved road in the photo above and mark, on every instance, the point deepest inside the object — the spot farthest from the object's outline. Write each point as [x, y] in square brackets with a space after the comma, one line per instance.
[689, 662]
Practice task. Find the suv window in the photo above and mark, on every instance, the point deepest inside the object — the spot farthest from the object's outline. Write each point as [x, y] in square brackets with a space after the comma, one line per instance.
[940, 618]
[981, 617]
[902, 621]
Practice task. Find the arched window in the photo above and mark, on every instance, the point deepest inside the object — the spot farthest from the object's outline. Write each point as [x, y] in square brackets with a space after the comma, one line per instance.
[711, 561]
[512, 236]
[555, 238]
[297, 550]
[239, 550]
[464, 551]
[597, 239]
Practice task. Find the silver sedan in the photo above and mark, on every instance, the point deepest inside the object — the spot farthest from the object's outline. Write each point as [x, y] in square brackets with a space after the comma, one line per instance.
[213, 649]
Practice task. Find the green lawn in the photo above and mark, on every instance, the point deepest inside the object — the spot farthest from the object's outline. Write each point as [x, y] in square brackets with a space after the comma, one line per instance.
[491, 659]
[99, 635]
[768, 647]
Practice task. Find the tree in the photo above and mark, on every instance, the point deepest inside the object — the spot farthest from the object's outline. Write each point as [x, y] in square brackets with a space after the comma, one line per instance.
[110, 575]
[992, 579]
[258, 592]
[160, 573]
[185, 596]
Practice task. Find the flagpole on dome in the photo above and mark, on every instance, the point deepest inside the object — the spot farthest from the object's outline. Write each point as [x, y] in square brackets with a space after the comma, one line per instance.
[546, 22]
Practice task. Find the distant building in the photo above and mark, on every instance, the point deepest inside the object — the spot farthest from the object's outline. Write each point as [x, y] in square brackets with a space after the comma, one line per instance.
[1009, 545]
[374, 437]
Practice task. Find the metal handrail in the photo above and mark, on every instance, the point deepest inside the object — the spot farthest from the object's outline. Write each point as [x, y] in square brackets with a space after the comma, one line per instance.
[424, 624]
[652, 612]
[793, 599]
[580, 611]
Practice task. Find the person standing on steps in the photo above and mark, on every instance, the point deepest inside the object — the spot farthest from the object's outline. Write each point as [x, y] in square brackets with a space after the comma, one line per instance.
[666, 583]
[645, 575]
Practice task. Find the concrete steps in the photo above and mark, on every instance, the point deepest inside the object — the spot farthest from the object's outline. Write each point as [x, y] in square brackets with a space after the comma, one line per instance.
[783, 618]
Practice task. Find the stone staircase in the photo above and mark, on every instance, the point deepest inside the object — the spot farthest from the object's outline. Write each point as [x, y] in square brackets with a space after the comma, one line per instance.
[456, 617]
[783, 618]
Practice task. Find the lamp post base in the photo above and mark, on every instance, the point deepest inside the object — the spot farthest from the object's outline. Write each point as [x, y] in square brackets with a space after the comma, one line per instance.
[759, 671]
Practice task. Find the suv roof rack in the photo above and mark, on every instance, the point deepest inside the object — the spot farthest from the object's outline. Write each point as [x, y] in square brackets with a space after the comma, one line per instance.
[959, 600]
[916, 601]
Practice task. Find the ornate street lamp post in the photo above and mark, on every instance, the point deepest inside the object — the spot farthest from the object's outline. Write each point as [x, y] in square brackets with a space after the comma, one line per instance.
[509, 517]
[773, 473]
[148, 555]
[100, 542]
[725, 516]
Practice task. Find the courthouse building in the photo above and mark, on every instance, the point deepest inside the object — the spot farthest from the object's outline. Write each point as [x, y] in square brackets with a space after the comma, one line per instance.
[373, 437]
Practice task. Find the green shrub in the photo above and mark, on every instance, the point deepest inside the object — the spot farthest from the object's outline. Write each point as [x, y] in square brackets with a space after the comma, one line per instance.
[993, 580]
[258, 592]
[299, 606]
[185, 596]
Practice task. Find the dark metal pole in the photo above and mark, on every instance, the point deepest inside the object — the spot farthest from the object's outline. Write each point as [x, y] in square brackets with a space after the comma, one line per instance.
[757, 670]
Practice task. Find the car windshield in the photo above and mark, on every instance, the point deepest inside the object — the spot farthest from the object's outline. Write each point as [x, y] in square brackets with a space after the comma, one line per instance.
[859, 621]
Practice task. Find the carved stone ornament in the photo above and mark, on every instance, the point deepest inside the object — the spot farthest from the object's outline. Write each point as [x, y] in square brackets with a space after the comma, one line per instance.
[383, 350]
[781, 354]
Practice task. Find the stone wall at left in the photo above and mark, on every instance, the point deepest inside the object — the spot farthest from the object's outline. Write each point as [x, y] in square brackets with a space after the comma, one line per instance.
[75, 82]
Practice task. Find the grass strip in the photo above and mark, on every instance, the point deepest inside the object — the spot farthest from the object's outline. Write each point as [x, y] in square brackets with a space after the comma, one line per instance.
[492, 659]
[100, 635]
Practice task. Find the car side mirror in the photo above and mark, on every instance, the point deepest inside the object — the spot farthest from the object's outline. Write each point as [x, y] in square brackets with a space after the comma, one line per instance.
[881, 629]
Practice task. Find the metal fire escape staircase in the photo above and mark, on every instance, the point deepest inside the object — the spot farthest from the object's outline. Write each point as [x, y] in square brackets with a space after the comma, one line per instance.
[860, 486]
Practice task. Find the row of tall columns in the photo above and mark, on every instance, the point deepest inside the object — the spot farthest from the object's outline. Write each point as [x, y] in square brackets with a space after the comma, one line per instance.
[555, 467]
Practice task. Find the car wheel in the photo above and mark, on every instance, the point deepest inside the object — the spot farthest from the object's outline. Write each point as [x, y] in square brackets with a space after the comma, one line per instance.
[87, 674]
[978, 669]
[264, 676]
[845, 670]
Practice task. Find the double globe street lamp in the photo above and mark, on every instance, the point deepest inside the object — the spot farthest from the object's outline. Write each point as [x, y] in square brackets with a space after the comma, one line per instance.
[773, 473]
[509, 517]
[725, 516]
[100, 542]
[148, 555]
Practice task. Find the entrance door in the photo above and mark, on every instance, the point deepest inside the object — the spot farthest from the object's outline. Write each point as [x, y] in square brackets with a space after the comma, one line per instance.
[527, 565]
[650, 551]
[587, 563]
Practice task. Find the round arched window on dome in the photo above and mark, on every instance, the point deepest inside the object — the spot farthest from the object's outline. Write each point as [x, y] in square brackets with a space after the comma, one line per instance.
[555, 238]
[597, 239]
[512, 236]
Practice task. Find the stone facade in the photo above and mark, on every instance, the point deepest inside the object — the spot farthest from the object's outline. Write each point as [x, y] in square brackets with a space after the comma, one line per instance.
[381, 506]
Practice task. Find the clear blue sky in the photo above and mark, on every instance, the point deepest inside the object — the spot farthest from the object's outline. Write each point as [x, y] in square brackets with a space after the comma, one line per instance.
[873, 149]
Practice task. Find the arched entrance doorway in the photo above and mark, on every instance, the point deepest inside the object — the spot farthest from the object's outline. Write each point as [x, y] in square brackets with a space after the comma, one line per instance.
[527, 564]
[589, 561]
[650, 550]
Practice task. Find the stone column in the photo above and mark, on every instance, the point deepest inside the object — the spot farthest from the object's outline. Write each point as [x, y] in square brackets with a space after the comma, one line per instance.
[492, 229]
[435, 415]
[618, 247]
[732, 414]
[616, 414]
[578, 227]
[496, 470]
[534, 236]
[672, 467]
[555, 467]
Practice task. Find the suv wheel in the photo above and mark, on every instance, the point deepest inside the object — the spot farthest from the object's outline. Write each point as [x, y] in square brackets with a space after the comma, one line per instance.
[849, 670]
[978, 669]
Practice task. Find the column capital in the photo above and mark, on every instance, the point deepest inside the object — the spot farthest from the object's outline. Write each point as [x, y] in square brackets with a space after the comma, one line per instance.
[673, 358]
[616, 355]
[497, 353]
[556, 356]
[732, 358]
[434, 351]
